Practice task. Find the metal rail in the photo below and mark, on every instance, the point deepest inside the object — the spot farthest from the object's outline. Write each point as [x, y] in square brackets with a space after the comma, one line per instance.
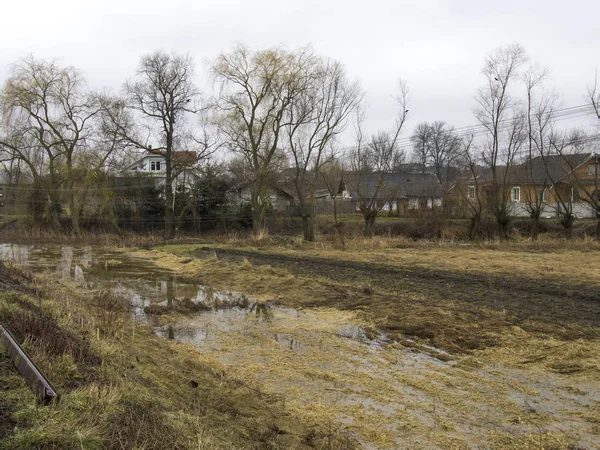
[28, 370]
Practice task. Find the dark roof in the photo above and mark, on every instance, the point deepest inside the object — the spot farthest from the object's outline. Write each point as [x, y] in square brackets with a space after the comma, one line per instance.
[546, 170]
[393, 185]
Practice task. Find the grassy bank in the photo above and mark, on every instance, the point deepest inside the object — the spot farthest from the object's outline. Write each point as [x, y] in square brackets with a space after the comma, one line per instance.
[121, 386]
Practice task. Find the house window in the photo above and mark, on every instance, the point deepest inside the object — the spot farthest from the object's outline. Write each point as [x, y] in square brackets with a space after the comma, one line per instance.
[155, 166]
[515, 194]
[413, 203]
[471, 193]
[543, 196]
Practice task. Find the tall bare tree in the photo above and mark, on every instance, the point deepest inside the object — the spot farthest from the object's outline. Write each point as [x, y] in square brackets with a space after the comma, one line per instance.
[421, 145]
[499, 113]
[47, 117]
[593, 94]
[162, 99]
[314, 119]
[370, 161]
[435, 145]
[472, 191]
[540, 118]
[256, 91]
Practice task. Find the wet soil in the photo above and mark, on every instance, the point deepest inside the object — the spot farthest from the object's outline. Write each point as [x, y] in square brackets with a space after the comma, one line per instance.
[330, 365]
[564, 308]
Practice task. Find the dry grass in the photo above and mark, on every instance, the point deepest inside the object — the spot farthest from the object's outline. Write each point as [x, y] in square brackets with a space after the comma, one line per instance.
[526, 362]
[482, 323]
[137, 391]
[510, 388]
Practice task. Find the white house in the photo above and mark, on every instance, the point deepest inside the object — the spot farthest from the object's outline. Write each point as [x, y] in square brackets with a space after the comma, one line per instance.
[154, 163]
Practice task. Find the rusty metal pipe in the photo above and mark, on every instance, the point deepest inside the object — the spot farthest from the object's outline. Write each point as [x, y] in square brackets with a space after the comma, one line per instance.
[36, 380]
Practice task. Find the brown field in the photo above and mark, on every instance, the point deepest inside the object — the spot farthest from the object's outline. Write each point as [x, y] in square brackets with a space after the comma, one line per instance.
[522, 322]
[494, 345]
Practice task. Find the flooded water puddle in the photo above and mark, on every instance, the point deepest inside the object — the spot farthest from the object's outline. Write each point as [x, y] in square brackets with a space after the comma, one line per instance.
[138, 280]
[329, 366]
[324, 366]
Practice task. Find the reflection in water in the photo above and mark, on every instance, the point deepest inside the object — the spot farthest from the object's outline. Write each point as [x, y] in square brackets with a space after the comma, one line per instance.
[16, 253]
[86, 257]
[79, 277]
[138, 281]
[63, 268]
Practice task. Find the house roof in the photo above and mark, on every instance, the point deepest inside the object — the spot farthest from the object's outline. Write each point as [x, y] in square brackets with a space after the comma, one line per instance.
[393, 185]
[547, 170]
[181, 157]
[543, 171]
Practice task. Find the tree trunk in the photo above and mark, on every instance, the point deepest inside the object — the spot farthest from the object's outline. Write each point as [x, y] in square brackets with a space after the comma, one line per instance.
[308, 227]
[74, 211]
[503, 220]
[598, 225]
[308, 221]
[473, 225]
[51, 214]
[370, 223]
[535, 226]
[338, 224]
[169, 212]
[567, 223]
[258, 216]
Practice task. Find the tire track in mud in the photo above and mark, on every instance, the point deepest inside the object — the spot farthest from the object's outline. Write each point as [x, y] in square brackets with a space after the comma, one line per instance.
[526, 299]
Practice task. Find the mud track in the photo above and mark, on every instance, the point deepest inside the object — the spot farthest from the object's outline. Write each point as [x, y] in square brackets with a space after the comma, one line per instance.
[566, 309]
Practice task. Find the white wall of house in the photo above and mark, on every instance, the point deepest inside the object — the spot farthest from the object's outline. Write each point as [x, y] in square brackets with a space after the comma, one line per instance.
[550, 209]
[151, 164]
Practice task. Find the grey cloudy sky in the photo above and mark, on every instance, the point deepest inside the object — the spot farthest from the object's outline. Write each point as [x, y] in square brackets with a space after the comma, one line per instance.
[437, 46]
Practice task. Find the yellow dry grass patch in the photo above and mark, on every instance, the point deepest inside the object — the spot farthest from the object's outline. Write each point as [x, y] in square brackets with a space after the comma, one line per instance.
[512, 395]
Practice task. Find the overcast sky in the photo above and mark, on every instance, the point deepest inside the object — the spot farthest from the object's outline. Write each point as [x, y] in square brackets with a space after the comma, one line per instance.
[437, 46]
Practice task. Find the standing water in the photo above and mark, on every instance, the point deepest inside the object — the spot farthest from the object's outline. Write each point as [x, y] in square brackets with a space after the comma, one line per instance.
[326, 368]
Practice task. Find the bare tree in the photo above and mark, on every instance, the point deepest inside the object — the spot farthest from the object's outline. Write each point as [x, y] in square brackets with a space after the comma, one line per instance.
[579, 178]
[332, 174]
[472, 192]
[47, 118]
[498, 112]
[314, 119]
[540, 117]
[256, 90]
[421, 145]
[162, 98]
[593, 198]
[435, 145]
[593, 94]
[565, 182]
[371, 160]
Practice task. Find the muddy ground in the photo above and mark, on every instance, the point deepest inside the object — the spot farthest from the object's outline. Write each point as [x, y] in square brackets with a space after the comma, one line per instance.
[458, 350]
[521, 363]
[565, 309]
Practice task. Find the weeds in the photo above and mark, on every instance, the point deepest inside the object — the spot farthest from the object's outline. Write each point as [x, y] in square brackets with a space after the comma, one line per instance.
[123, 387]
